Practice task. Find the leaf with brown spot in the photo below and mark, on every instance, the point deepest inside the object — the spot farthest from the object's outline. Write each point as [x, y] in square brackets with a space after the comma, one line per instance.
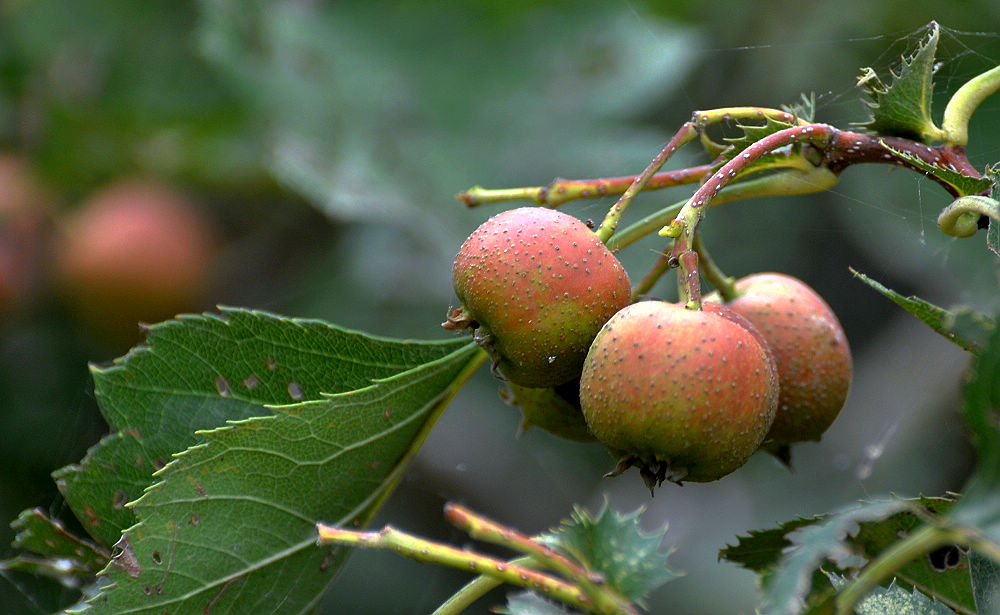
[257, 488]
[184, 379]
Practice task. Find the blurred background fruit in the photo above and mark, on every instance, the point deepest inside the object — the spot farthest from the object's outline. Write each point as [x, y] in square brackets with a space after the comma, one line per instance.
[135, 251]
[26, 205]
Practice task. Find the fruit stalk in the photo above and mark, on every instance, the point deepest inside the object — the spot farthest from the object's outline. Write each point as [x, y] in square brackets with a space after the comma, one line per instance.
[798, 177]
[687, 133]
[685, 225]
[476, 589]
[563, 190]
[422, 550]
[688, 282]
[480, 528]
[609, 225]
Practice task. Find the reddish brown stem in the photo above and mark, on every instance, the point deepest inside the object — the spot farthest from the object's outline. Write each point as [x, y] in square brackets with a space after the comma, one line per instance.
[563, 190]
[609, 225]
[818, 135]
[847, 148]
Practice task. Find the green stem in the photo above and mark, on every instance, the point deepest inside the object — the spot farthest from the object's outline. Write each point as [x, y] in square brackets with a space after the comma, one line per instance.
[921, 542]
[955, 123]
[422, 550]
[703, 119]
[563, 190]
[688, 280]
[604, 598]
[787, 182]
[476, 589]
[684, 226]
[484, 529]
[713, 274]
[685, 135]
[961, 217]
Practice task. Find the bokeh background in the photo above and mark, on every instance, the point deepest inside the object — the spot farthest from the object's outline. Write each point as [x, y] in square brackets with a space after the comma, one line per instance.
[306, 154]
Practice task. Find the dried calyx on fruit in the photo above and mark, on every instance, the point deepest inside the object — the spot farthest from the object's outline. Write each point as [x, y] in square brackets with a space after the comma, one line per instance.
[535, 286]
[684, 394]
[809, 348]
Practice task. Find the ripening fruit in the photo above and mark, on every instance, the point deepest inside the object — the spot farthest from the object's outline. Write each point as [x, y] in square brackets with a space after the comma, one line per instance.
[809, 347]
[135, 252]
[26, 205]
[535, 286]
[686, 395]
[554, 409]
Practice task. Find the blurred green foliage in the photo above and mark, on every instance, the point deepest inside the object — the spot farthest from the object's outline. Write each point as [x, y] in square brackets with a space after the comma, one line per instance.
[326, 140]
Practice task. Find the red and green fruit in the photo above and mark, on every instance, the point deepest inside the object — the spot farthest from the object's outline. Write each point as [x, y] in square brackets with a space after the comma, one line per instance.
[809, 348]
[554, 409]
[535, 286]
[685, 395]
[136, 251]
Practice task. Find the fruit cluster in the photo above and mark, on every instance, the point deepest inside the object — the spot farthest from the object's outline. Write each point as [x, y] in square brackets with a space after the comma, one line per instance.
[683, 393]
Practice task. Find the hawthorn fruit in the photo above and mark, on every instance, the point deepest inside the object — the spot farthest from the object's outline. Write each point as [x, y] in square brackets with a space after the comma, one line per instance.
[809, 348]
[535, 286]
[685, 395]
[136, 251]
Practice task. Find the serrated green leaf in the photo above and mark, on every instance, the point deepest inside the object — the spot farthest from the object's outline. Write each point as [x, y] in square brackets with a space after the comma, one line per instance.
[231, 524]
[114, 472]
[993, 231]
[993, 238]
[529, 603]
[813, 545]
[198, 371]
[899, 601]
[751, 134]
[40, 534]
[903, 108]
[896, 600]
[963, 184]
[943, 574]
[613, 545]
[230, 364]
[54, 565]
[985, 583]
[961, 326]
[980, 505]
[762, 550]
[804, 109]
